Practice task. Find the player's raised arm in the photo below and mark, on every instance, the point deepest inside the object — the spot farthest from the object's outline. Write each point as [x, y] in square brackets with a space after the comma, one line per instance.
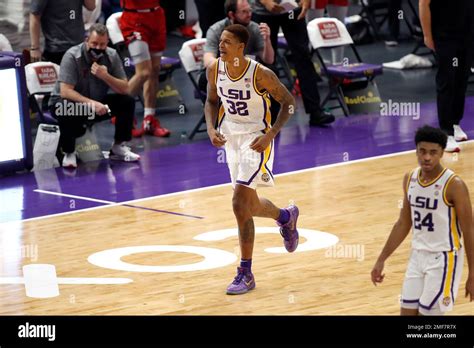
[267, 80]
[211, 108]
[399, 232]
[458, 194]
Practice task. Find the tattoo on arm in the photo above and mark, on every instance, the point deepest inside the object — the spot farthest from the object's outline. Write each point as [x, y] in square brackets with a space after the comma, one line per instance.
[266, 79]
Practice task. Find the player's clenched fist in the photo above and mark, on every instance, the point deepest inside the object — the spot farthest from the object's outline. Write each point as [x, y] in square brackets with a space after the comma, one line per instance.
[261, 143]
[217, 139]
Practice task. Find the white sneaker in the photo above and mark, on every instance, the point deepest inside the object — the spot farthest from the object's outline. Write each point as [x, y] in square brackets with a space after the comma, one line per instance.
[121, 152]
[70, 161]
[459, 134]
[452, 145]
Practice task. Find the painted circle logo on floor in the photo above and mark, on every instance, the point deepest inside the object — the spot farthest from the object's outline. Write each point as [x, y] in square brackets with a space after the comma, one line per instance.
[213, 258]
[314, 239]
[41, 281]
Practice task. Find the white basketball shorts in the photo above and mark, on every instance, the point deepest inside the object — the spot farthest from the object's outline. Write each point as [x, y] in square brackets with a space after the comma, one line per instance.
[248, 167]
[432, 281]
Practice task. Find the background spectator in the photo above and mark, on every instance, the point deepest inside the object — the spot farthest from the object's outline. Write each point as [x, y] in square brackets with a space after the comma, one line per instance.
[293, 25]
[143, 26]
[449, 31]
[62, 25]
[88, 71]
[210, 11]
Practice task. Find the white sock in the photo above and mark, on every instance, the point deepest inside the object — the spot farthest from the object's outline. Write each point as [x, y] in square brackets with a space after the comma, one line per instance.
[150, 111]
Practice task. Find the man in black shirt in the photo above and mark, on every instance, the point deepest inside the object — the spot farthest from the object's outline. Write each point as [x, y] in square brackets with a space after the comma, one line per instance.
[293, 26]
[448, 29]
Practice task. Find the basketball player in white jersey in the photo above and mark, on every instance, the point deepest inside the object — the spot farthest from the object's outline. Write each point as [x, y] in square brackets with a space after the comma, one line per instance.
[437, 205]
[243, 87]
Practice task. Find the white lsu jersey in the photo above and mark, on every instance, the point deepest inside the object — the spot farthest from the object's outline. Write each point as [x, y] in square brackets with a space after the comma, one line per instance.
[244, 108]
[435, 224]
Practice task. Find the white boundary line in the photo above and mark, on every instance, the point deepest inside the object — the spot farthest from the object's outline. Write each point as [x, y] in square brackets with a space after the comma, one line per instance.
[109, 204]
[77, 197]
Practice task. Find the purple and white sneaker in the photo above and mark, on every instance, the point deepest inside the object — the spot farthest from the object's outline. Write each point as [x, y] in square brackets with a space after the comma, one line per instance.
[243, 282]
[288, 231]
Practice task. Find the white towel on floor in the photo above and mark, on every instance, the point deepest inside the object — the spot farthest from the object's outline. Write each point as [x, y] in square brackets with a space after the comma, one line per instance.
[410, 61]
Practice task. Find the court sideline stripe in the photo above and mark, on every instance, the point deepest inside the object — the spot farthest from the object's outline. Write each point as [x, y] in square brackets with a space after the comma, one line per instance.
[110, 203]
[395, 154]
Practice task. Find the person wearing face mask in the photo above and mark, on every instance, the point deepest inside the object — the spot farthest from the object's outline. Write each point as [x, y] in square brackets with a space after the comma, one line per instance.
[88, 71]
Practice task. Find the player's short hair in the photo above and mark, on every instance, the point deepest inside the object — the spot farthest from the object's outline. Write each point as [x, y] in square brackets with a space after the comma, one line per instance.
[230, 6]
[99, 28]
[239, 31]
[431, 135]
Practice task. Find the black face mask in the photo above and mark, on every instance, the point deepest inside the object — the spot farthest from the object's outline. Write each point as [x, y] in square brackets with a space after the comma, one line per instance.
[96, 53]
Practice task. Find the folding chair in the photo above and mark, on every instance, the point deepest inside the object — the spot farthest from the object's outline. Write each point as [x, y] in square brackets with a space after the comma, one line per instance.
[191, 55]
[376, 12]
[40, 80]
[330, 33]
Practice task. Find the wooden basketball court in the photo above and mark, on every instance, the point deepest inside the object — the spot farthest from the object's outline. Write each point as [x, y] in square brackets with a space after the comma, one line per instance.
[357, 202]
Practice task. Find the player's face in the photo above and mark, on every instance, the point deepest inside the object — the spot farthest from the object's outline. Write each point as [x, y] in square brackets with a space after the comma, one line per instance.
[230, 47]
[243, 14]
[429, 155]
